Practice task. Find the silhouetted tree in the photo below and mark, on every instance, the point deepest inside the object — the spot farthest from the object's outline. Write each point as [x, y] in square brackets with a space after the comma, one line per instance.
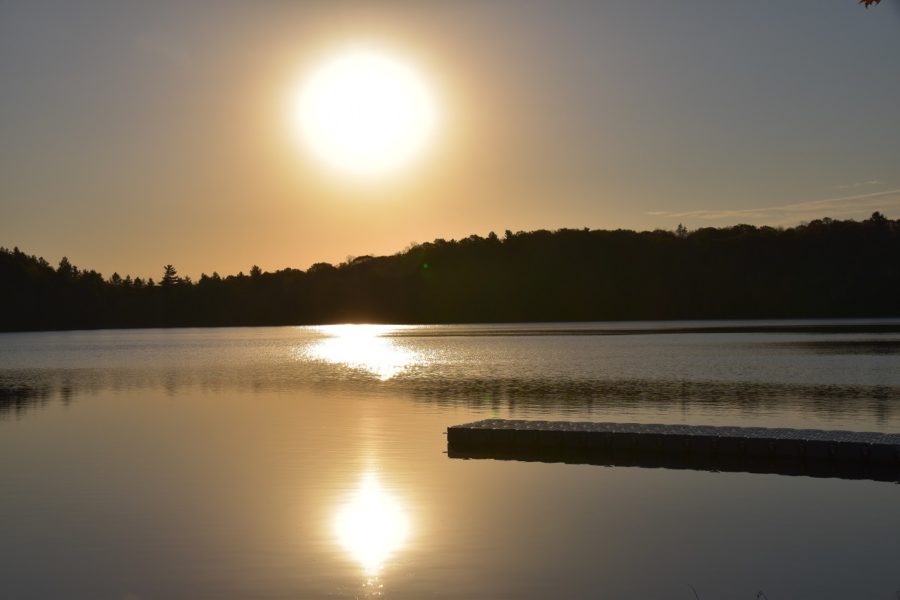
[65, 268]
[825, 268]
[170, 276]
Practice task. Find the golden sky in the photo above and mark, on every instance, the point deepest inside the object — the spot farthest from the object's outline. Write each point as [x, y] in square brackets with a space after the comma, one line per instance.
[135, 136]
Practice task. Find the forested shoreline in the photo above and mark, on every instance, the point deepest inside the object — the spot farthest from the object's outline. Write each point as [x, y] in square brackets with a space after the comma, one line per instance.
[825, 268]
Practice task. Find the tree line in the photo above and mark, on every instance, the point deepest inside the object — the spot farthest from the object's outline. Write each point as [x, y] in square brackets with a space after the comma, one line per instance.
[825, 268]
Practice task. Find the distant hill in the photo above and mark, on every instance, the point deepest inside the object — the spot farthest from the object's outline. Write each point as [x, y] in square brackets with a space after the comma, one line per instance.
[826, 268]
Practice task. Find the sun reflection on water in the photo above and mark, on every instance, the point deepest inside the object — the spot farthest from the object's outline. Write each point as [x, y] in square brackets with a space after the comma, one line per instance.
[371, 526]
[364, 347]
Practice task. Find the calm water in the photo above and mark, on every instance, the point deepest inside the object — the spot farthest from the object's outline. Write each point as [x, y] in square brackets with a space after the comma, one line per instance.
[310, 463]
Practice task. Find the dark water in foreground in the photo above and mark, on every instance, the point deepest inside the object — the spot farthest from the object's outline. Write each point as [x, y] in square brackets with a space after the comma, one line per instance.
[310, 463]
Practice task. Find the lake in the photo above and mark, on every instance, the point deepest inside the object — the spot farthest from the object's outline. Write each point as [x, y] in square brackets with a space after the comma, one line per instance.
[310, 462]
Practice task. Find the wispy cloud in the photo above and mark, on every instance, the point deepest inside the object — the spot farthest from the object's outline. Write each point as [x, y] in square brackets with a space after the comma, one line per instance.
[856, 206]
[859, 184]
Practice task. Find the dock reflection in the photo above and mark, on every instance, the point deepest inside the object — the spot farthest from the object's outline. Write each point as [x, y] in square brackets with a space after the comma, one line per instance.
[686, 461]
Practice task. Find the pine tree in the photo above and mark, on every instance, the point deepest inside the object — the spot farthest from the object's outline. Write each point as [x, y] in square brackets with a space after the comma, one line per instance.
[170, 276]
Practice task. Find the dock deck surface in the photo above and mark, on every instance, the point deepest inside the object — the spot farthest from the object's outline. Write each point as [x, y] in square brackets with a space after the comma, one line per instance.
[869, 455]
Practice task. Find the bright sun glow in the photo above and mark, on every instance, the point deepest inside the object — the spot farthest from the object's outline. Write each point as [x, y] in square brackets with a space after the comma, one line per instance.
[364, 113]
[364, 347]
[372, 525]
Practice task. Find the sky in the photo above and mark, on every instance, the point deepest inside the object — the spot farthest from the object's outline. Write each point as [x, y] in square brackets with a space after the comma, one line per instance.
[137, 134]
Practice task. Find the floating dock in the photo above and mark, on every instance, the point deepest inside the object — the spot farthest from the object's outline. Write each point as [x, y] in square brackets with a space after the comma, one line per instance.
[814, 452]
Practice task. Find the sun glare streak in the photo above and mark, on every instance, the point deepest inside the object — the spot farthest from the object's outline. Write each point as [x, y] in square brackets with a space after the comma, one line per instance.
[372, 525]
[364, 113]
[364, 347]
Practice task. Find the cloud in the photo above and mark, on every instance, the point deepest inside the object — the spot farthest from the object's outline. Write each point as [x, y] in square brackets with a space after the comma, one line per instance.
[857, 206]
[860, 184]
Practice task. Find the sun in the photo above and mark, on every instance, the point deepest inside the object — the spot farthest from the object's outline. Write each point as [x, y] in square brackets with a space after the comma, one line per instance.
[364, 113]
